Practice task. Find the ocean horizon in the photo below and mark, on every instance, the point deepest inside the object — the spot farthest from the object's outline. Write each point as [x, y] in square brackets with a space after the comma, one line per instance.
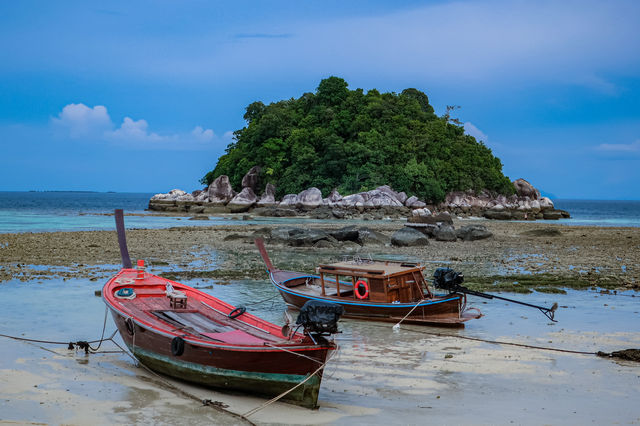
[50, 211]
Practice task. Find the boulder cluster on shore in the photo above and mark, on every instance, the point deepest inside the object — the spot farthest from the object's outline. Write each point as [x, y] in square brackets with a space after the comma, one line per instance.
[219, 197]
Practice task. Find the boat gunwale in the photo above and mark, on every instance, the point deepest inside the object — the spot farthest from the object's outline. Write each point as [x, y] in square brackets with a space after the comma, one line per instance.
[264, 347]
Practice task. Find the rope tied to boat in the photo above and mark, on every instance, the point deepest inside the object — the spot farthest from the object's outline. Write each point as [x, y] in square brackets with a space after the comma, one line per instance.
[80, 344]
[285, 393]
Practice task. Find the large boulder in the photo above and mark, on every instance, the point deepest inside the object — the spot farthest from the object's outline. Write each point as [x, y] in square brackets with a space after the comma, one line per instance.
[367, 236]
[309, 199]
[445, 232]
[408, 237]
[348, 233]
[243, 201]
[497, 214]
[251, 179]
[268, 198]
[414, 203]
[220, 190]
[525, 189]
[353, 201]
[546, 204]
[288, 201]
[333, 199]
[473, 232]
[381, 198]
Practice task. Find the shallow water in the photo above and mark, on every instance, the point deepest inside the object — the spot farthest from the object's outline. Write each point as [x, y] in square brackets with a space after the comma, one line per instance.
[379, 376]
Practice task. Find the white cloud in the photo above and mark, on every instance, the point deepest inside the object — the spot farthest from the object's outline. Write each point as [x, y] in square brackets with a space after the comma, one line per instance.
[131, 130]
[633, 147]
[472, 130]
[79, 121]
[201, 134]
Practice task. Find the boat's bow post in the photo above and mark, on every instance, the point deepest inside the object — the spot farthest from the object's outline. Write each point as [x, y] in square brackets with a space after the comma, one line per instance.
[263, 253]
[122, 239]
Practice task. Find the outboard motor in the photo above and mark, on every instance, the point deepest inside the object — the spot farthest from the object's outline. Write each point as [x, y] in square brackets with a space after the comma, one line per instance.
[320, 318]
[447, 279]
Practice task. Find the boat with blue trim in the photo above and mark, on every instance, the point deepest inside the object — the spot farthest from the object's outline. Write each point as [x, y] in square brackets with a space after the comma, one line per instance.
[368, 289]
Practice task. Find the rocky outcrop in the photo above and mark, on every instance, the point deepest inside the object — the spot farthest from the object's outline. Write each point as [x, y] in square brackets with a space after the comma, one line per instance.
[378, 203]
[525, 204]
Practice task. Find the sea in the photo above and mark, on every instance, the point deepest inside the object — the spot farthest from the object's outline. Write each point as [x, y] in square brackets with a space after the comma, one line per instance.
[83, 211]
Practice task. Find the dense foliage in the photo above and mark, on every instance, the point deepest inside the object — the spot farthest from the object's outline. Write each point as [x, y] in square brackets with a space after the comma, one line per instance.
[356, 141]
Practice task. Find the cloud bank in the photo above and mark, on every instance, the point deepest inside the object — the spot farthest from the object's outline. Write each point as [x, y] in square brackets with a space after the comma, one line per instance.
[633, 147]
[79, 121]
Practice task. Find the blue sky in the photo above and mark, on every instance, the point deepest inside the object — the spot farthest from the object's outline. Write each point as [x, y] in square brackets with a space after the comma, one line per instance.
[142, 96]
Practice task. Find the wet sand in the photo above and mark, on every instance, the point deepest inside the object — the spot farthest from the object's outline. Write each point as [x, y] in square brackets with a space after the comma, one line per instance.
[378, 376]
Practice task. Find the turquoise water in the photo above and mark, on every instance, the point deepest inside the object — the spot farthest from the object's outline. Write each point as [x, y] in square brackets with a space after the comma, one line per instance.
[81, 211]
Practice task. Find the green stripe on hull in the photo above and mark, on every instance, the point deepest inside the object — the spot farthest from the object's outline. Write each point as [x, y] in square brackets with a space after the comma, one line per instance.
[266, 384]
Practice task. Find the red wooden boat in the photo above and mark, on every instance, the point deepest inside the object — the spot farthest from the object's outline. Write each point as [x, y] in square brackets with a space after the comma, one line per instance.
[184, 333]
[379, 290]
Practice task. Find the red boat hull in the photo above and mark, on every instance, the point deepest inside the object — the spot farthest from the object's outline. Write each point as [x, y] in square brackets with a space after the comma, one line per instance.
[268, 367]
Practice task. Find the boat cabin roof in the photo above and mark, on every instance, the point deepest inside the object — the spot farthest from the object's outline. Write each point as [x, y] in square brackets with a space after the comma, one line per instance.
[372, 268]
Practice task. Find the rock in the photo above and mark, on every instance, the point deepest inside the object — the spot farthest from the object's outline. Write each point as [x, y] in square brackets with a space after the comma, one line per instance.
[243, 201]
[199, 217]
[268, 198]
[348, 233]
[288, 201]
[274, 212]
[339, 213]
[408, 237]
[445, 232]
[368, 236]
[546, 204]
[421, 212]
[174, 194]
[552, 214]
[525, 189]
[414, 203]
[333, 199]
[283, 233]
[381, 198]
[250, 180]
[497, 214]
[220, 191]
[473, 233]
[353, 201]
[307, 237]
[323, 212]
[309, 199]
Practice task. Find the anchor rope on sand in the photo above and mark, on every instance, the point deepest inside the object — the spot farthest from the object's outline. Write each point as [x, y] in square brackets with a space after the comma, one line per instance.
[80, 344]
[626, 354]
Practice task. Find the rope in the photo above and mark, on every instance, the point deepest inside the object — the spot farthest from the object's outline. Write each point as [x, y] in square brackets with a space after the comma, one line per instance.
[495, 342]
[397, 326]
[272, 400]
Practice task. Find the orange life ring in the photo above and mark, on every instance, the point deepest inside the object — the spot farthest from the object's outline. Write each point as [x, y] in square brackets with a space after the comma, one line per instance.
[357, 289]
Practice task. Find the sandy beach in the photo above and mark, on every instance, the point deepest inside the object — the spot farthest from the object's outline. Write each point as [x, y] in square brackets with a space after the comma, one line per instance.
[379, 376]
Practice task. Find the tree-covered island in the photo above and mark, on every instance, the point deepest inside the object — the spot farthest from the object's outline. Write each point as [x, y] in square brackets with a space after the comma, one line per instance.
[356, 141]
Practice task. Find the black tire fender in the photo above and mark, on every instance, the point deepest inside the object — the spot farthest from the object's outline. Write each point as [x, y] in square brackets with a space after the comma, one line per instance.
[177, 346]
